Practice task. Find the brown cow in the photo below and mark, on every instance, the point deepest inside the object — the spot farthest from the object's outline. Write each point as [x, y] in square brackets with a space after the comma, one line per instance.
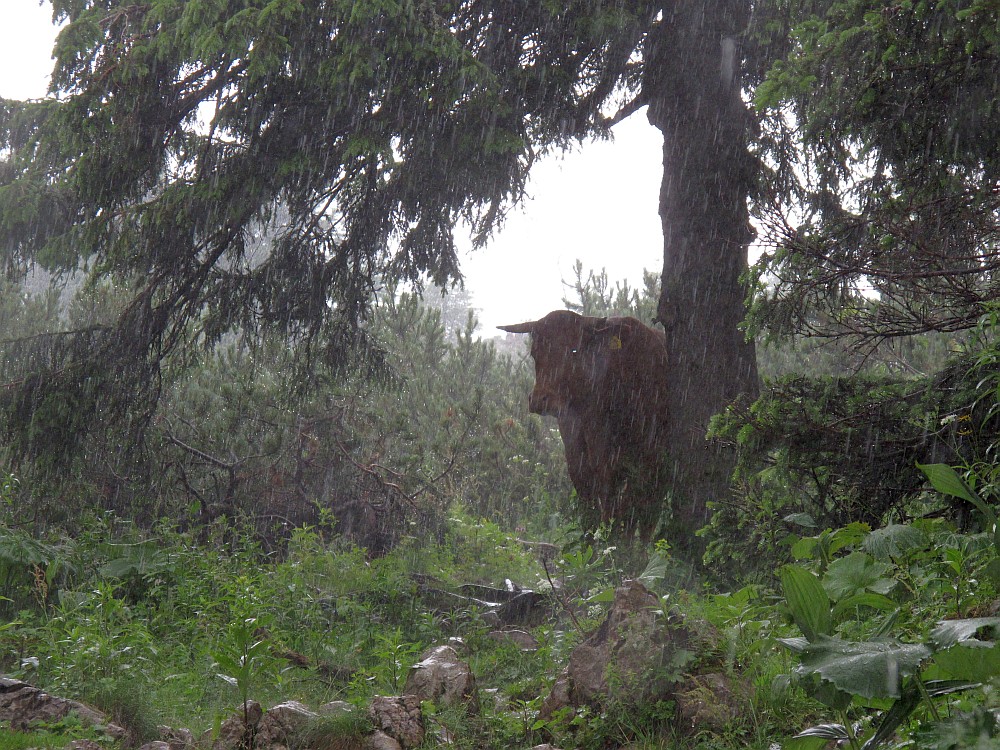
[605, 381]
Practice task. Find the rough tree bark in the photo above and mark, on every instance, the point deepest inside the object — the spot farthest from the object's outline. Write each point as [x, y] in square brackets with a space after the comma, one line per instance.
[693, 89]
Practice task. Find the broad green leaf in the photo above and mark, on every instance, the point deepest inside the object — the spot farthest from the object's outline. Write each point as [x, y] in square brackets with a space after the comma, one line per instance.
[827, 731]
[949, 632]
[804, 548]
[853, 574]
[805, 742]
[896, 715]
[739, 597]
[807, 601]
[656, 568]
[947, 481]
[903, 707]
[970, 660]
[871, 669]
[992, 571]
[849, 536]
[795, 645]
[19, 549]
[801, 519]
[865, 599]
[604, 596]
[895, 540]
[828, 694]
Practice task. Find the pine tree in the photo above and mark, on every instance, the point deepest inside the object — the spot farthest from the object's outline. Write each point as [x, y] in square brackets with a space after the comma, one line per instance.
[881, 207]
[260, 165]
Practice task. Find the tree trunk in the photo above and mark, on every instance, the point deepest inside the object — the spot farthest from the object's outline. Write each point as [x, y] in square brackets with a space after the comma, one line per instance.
[693, 89]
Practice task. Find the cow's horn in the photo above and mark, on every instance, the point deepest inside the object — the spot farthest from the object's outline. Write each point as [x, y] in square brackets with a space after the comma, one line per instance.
[520, 327]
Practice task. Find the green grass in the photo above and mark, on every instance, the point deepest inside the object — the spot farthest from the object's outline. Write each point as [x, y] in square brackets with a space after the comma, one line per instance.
[182, 641]
[53, 734]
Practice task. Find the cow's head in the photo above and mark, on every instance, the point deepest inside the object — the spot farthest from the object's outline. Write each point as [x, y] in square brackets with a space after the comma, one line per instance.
[571, 354]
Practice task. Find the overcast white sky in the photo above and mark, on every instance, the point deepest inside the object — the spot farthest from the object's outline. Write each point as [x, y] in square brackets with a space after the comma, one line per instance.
[598, 203]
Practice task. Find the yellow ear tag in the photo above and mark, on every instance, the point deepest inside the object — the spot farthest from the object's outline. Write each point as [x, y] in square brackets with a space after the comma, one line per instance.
[616, 343]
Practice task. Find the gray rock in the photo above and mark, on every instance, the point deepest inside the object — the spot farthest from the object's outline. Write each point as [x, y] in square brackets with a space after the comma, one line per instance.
[236, 731]
[557, 698]
[399, 717]
[83, 745]
[619, 660]
[22, 705]
[280, 725]
[177, 739]
[524, 640]
[708, 701]
[442, 678]
[381, 741]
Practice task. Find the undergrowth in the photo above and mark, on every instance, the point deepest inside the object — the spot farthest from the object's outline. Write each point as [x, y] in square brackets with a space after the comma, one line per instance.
[177, 631]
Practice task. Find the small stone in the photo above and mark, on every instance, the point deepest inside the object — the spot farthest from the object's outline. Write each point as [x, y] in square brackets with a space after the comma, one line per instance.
[381, 741]
[83, 745]
[177, 739]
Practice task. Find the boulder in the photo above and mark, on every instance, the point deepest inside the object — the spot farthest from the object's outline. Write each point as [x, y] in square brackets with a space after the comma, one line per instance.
[274, 729]
[280, 725]
[399, 717]
[558, 697]
[238, 731]
[22, 705]
[442, 678]
[529, 608]
[707, 701]
[621, 659]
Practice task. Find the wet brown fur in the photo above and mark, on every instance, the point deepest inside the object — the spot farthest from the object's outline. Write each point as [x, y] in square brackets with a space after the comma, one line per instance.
[605, 381]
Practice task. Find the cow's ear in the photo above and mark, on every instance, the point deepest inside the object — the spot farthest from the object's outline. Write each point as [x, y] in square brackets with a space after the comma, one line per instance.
[612, 334]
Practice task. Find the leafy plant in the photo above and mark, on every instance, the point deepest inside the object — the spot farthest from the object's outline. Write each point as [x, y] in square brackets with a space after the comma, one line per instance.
[93, 637]
[878, 670]
[393, 657]
[49, 734]
[243, 654]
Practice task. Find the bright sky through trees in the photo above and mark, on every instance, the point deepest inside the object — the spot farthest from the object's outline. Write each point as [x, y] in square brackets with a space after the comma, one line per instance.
[597, 204]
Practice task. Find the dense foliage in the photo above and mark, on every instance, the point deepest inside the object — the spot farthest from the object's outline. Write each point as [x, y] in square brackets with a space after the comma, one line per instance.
[880, 205]
[265, 167]
[443, 421]
[306, 537]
